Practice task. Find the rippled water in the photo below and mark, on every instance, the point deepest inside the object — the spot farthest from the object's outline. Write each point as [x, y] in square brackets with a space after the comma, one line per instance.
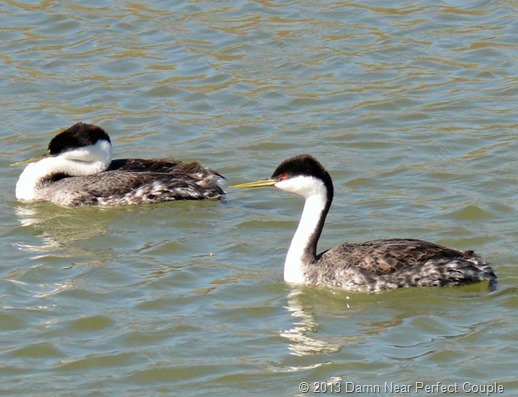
[410, 105]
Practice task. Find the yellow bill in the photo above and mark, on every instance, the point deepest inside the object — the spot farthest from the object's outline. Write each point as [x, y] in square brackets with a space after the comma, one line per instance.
[261, 183]
[28, 161]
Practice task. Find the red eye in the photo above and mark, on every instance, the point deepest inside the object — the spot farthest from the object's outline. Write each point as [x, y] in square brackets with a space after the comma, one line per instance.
[283, 176]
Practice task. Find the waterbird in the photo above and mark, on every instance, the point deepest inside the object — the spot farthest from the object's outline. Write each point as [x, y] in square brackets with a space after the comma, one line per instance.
[78, 170]
[370, 266]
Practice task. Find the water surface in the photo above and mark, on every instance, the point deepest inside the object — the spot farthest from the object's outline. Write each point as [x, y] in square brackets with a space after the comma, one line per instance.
[410, 105]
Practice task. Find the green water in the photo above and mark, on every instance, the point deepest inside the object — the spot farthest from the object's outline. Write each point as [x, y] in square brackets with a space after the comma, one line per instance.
[410, 105]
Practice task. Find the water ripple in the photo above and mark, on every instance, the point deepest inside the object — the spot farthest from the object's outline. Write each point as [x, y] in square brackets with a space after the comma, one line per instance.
[410, 105]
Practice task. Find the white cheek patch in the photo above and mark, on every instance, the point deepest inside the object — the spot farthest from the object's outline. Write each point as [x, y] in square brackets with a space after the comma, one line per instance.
[303, 185]
[101, 151]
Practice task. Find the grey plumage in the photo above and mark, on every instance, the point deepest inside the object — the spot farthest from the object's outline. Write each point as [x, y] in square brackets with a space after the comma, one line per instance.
[394, 263]
[120, 187]
[80, 172]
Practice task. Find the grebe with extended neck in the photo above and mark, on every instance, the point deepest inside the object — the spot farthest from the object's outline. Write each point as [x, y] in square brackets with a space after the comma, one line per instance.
[371, 266]
[79, 171]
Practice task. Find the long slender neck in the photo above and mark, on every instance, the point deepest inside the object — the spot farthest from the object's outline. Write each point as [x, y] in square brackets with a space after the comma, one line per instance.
[303, 248]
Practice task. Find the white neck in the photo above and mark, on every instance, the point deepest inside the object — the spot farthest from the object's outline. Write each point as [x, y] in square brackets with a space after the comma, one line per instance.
[86, 160]
[315, 193]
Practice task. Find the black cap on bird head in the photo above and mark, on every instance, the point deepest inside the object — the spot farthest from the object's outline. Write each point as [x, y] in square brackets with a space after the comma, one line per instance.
[303, 164]
[79, 135]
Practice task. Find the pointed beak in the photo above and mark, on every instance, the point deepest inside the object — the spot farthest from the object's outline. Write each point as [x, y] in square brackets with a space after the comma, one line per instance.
[28, 161]
[261, 183]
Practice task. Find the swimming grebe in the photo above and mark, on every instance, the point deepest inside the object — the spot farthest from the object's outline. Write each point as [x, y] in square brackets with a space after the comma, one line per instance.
[79, 171]
[363, 267]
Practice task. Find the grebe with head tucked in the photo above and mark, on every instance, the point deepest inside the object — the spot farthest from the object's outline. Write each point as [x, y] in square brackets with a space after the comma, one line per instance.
[79, 171]
[364, 267]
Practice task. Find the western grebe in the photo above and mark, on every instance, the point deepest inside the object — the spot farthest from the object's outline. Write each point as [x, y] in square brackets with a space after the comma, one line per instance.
[363, 267]
[79, 171]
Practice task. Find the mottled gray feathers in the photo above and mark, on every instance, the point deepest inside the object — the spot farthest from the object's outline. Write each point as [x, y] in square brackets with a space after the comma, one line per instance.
[395, 263]
[195, 170]
[135, 181]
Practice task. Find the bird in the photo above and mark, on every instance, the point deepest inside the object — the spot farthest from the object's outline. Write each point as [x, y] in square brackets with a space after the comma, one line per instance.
[78, 170]
[370, 266]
